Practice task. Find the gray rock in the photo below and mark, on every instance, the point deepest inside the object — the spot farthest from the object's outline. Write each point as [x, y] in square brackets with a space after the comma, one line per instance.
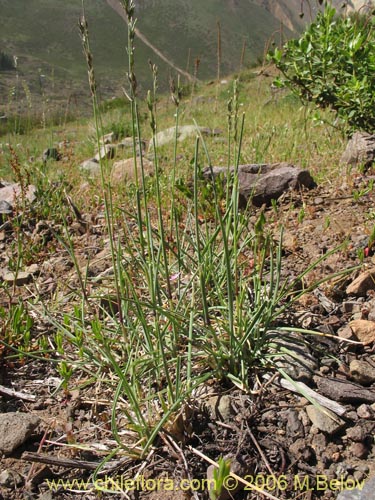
[262, 183]
[362, 372]
[107, 151]
[360, 150]
[13, 193]
[123, 170]
[19, 279]
[295, 357]
[108, 138]
[359, 493]
[10, 479]
[90, 167]
[365, 411]
[5, 208]
[127, 143]
[16, 428]
[350, 307]
[220, 407]
[325, 421]
[185, 131]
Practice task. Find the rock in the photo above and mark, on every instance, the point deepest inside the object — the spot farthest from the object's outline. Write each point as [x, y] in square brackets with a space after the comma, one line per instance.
[107, 151]
[19, 279]
[12, 194]
[358, 433]
[90, 167]
[360, 150]
[300, 451]
[365, 411]
[16, 428]
[184, 131]
[363, 330]
[123, 170]
[365, 492]
[345, 332]
[10, 479]
[220, 408]
[359, 450]
[294, 425]
[350, 307]
[107, 138]
[327, 422]
[361, 285]
[47, 495]
[32, 269]
[262, 183]
[127, 143]
[296, 360]
[5, 208]
[362, 372]
[51, 154]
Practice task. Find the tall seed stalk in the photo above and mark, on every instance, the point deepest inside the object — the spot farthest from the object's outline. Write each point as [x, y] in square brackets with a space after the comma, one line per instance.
[107, 197]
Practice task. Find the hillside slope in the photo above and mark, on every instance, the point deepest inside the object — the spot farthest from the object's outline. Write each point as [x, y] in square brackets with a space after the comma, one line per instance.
[178, 27]
[43, 35]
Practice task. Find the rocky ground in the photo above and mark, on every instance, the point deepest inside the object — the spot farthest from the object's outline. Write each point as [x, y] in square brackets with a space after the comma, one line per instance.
[276, 439]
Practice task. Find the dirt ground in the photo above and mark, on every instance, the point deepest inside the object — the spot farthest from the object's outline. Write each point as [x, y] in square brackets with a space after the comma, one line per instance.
[272, 434]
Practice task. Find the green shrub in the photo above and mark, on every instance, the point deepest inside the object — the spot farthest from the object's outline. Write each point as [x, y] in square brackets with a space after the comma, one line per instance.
[333, 65]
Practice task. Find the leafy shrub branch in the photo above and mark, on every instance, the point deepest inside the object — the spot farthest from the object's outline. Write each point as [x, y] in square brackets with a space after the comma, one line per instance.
[333, 65]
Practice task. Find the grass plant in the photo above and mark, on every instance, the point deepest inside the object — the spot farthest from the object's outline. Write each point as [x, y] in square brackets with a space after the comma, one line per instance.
[195, 297]
[196, 292]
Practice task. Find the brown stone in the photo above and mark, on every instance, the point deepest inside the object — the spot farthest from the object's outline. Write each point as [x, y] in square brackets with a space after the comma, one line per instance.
[363, 330]
[324, 420]
[19, 279]
[361, 285]
[13, 193]
[362, 372]
[359, 450]
[123, 170]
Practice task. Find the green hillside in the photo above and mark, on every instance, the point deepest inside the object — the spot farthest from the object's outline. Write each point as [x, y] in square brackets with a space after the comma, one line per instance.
[43, 34]
[177, 26]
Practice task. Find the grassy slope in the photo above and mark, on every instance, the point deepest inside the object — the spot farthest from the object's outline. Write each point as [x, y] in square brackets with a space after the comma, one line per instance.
[50, 44]
[52, 35]
[44, 36]
[193, 25]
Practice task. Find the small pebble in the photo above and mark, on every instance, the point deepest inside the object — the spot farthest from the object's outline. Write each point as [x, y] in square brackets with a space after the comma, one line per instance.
[365, 411]
[359, 450]
[10, 479]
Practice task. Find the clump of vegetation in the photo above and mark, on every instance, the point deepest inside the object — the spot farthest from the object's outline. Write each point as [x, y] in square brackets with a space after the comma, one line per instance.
[6, 62]
[333, 65]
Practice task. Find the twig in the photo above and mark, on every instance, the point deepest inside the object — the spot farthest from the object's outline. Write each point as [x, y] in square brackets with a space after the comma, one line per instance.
[16, 394]
[266, 463]
[32, 468]
[181, 454]
[302, 389]
[235, 476]
[60, 462]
